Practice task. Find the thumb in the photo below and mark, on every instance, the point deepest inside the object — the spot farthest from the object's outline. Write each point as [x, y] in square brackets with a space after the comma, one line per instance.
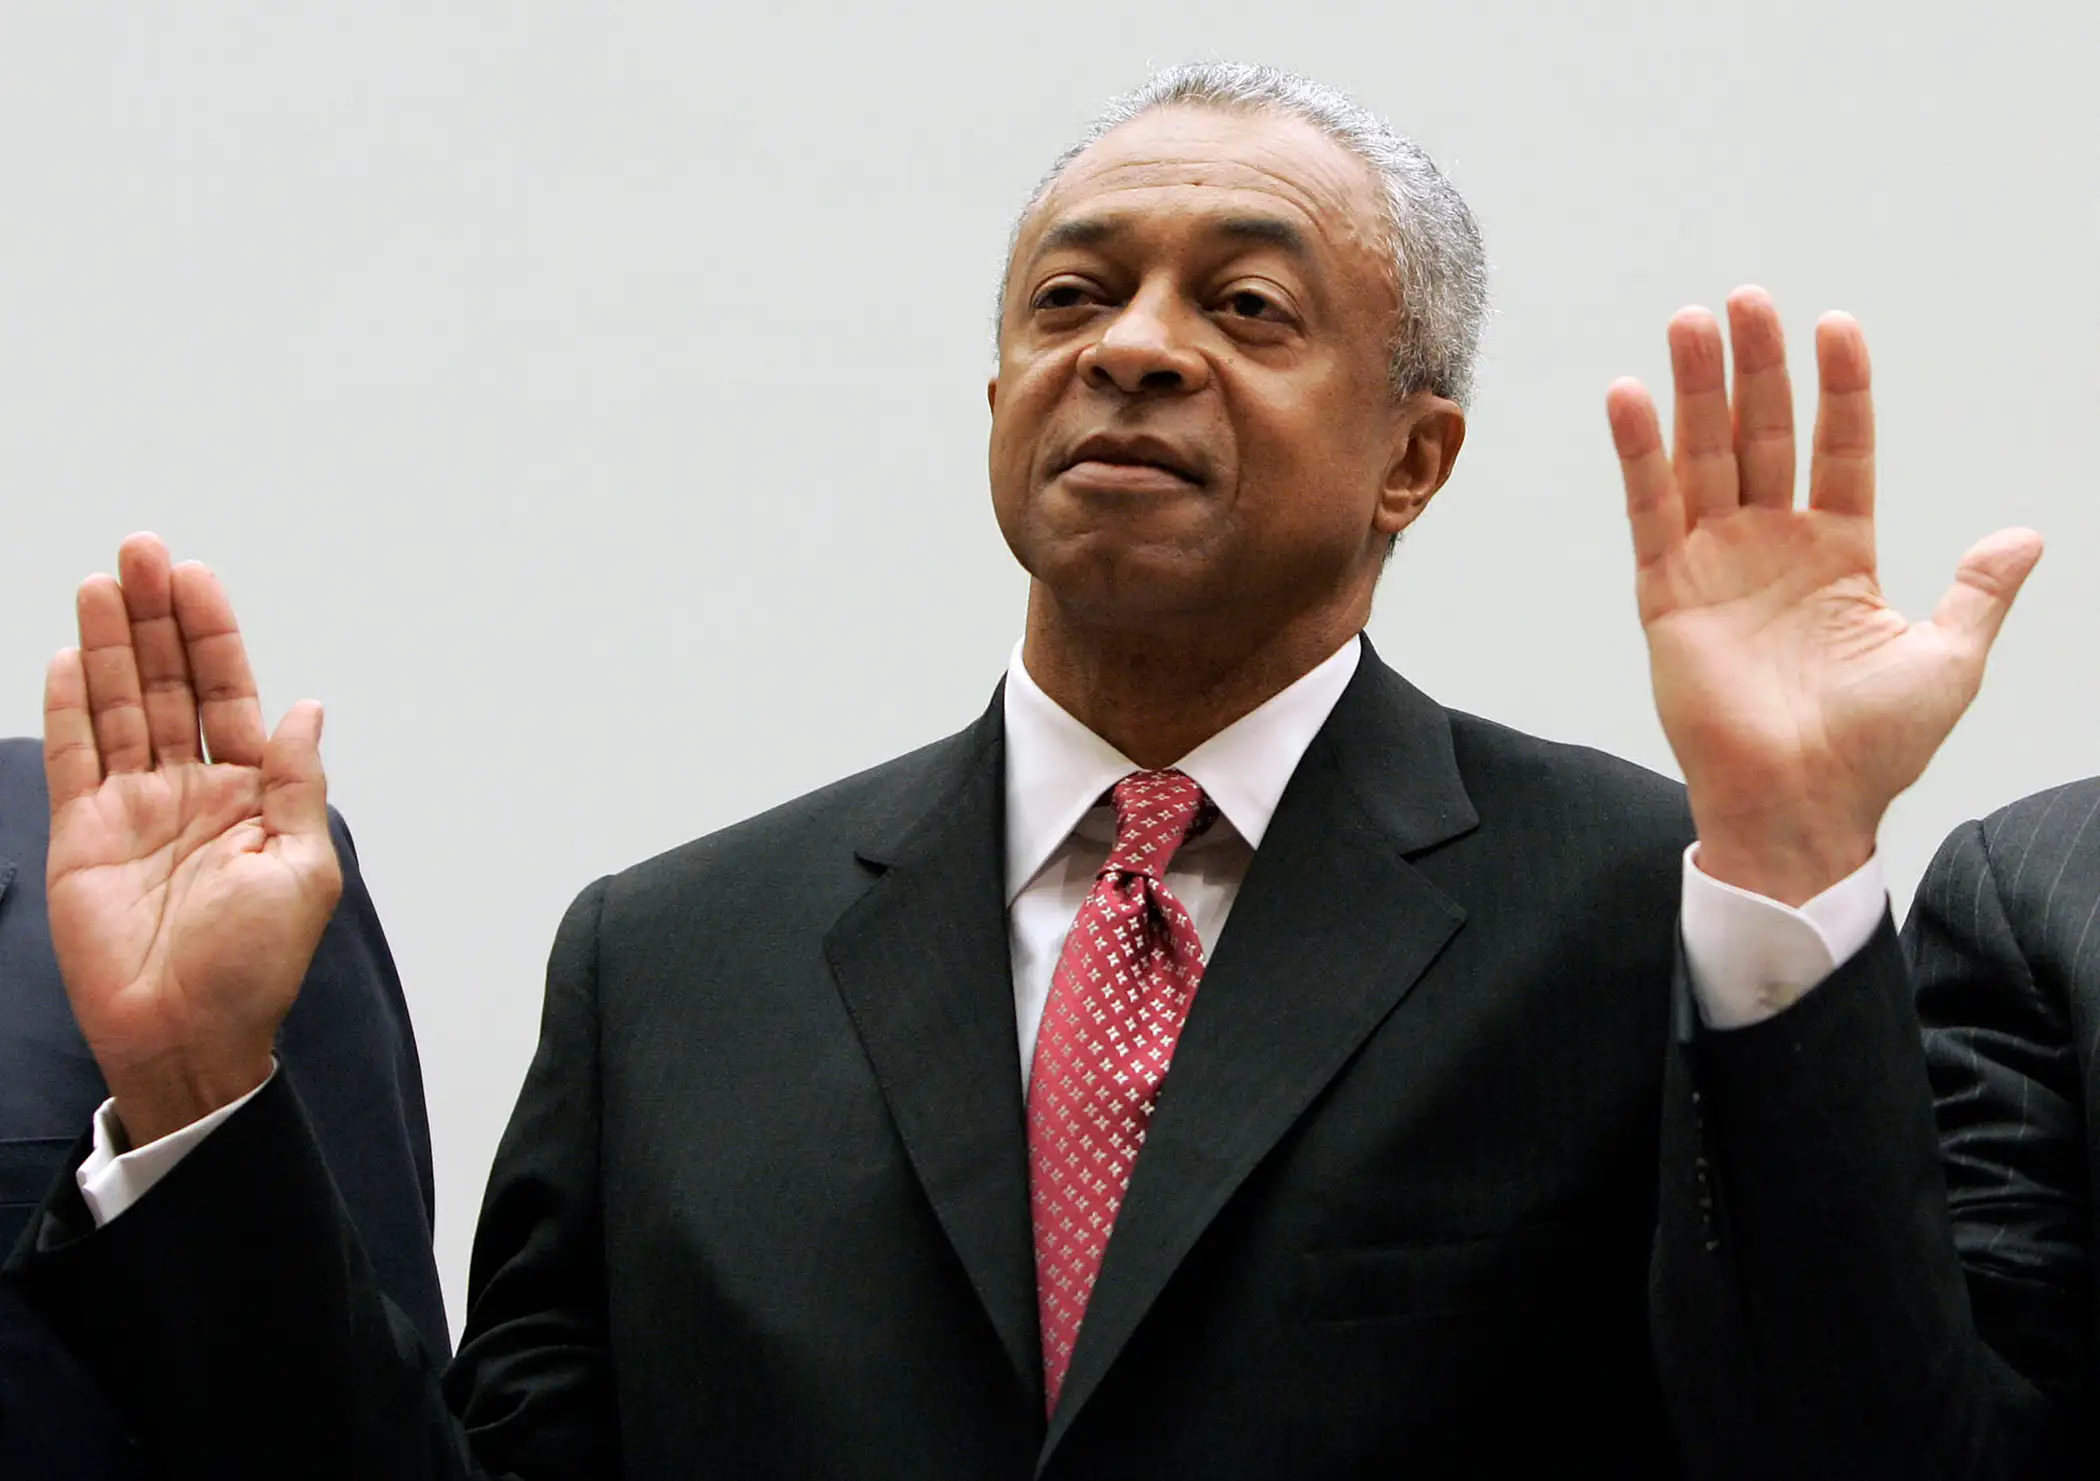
[295, 789]
[1985, 583]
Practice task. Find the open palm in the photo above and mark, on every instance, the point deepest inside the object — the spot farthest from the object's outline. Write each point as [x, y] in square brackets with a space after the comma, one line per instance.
[1798, 702]
[187, 894]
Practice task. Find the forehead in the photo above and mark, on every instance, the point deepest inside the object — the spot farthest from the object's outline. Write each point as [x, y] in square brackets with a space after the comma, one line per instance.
[1200, 164]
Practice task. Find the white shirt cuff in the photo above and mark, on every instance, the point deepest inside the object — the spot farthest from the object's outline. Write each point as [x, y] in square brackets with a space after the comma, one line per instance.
[1750, 956]
[112, 1181]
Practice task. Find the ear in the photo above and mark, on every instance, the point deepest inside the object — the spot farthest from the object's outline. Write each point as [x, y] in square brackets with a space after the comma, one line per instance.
[1428, 432]
[991, 393]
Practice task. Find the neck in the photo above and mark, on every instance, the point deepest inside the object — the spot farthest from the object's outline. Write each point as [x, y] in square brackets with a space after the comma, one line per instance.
[1157, 696]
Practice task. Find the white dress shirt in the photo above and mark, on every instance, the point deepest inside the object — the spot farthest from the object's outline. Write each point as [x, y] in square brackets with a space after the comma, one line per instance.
[1748, 956]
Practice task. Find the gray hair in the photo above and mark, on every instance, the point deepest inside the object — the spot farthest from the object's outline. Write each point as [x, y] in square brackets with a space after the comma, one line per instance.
[1439, 269]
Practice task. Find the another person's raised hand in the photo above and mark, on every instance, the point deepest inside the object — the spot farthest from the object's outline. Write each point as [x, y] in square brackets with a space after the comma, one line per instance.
[191, 870]
[1797, 701]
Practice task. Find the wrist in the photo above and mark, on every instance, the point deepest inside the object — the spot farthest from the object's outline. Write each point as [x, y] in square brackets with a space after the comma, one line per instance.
[151, 1104]
[1787, 857]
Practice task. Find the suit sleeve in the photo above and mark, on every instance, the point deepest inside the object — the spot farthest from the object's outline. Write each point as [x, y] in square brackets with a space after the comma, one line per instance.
[234, 1316]
[350, 1053]
[1811, 1313]
[2006, 1085]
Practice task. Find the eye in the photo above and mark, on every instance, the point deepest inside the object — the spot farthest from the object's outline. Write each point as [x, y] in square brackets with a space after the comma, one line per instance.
[1061, 295]
[1250, 303]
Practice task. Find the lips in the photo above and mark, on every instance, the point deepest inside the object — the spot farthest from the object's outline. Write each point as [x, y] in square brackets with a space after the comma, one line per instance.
[1134, 452]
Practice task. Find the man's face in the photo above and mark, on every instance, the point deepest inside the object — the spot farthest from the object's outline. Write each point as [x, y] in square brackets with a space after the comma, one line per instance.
[1192, 418]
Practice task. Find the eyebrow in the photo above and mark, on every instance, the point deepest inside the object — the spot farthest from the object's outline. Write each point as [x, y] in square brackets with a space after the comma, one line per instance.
[1093, 231]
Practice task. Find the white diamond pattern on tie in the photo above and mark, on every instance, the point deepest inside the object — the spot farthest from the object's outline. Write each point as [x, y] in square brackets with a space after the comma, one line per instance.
[1130, 967]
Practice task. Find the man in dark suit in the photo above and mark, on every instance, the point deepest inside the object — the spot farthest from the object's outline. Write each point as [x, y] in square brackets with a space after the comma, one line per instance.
[941, 1123]
[1905, 1250]
[346, 1045]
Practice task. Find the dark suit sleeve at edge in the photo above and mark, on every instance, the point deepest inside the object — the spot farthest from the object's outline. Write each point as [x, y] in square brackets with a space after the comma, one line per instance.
[1811, 1316]
[350, 1052]
[234, 1318]
[2006, 1082]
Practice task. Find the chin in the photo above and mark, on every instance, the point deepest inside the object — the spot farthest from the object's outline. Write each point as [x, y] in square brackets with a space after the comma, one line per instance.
[1108, 581]
[1118, 560]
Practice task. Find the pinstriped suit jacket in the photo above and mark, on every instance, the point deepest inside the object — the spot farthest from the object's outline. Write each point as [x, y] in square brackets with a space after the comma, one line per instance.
[2004, 940]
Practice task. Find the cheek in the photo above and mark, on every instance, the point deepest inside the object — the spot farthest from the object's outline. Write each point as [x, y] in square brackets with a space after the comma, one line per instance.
[1301, 459]
[1019, 417]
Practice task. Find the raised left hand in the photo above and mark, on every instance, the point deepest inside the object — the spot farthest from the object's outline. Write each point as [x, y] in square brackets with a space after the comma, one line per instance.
[1798, 702]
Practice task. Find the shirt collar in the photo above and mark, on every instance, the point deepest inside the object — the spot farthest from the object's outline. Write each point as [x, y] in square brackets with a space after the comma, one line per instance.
[1056, 768]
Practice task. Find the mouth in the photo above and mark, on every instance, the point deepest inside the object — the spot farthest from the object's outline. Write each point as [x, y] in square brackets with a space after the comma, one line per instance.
[1132, 463]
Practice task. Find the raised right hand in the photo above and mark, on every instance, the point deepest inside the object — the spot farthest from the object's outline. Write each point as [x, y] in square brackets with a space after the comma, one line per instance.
[189, 883]
[1797, 700]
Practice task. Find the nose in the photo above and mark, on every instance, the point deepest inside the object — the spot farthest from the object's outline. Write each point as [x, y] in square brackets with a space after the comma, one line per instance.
[1145, 348]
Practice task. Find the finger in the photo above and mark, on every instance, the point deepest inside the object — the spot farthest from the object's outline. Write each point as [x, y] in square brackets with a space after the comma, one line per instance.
[1985, 583]
[164, 671]
[1764, 401]
[1703, 449]
[227, 704]
[112, 673]
[1653, 505]
[295, 790]
[1841, 469]
[72, 762]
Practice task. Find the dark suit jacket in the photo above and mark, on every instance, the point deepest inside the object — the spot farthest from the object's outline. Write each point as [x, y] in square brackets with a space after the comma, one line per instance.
[346, 1047]
[762, 1209]
[1911, 1293]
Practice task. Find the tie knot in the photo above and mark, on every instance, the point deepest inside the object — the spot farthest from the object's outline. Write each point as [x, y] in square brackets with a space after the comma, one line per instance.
[1155, 812]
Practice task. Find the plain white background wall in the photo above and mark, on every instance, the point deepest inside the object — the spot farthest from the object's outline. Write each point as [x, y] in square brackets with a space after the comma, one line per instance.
[588, 403]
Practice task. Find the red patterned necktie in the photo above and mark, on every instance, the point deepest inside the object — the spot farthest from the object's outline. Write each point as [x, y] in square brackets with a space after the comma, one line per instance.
[1129, 969]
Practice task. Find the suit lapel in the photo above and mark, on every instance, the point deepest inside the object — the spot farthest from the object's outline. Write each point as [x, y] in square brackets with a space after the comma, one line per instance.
[923, 964]
[1330, 930]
